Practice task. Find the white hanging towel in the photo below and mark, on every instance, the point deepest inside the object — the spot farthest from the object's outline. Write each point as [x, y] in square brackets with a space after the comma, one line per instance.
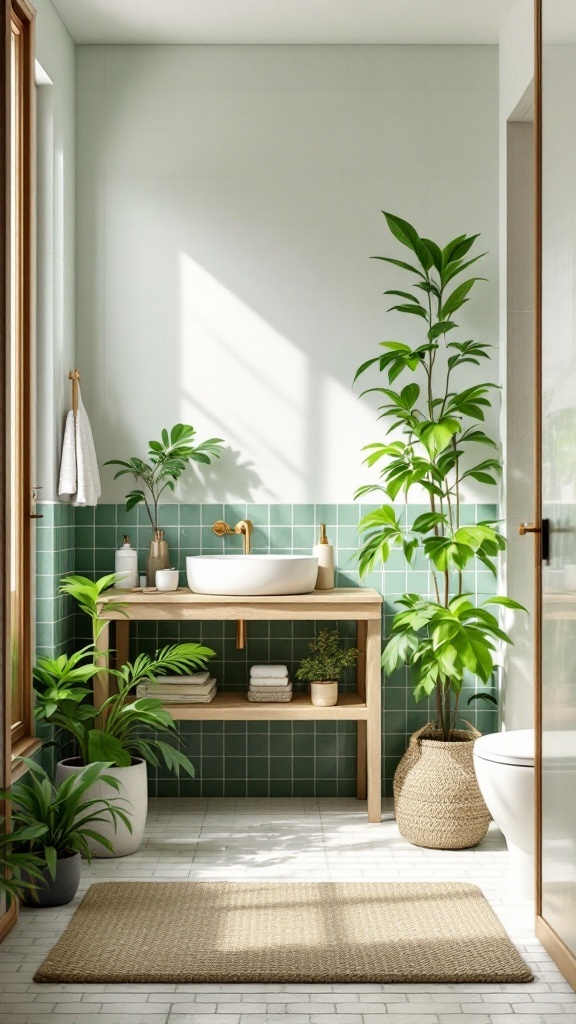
[79, 476]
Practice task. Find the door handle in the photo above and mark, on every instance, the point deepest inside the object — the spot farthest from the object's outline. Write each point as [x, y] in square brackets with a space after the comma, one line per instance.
[525, 528]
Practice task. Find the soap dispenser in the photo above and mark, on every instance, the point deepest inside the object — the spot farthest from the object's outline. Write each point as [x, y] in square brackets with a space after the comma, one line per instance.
[126, 565]
[324, 552]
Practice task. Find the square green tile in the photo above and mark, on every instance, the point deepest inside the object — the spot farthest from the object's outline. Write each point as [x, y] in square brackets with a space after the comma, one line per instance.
[258, 514]
[348, 515]
[280, 515]
[280, 767]
[257, 767]
[235, 788]
[189, 515]
[84, 516]
[235, 767]
[303, 515]
[105, 515]
[303, 768]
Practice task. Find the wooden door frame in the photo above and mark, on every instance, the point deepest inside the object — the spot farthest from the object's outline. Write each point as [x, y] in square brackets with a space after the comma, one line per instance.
[549, 938]
[25, 13]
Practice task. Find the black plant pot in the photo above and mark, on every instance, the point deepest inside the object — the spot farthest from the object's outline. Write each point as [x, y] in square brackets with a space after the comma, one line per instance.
[62, 889]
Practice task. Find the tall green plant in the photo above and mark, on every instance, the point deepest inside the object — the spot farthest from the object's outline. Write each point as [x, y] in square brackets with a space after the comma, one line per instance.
[167, 460]
[437, 428]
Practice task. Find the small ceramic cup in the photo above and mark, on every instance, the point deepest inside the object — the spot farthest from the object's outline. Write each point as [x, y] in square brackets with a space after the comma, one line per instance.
[324, 693]
[167, 579]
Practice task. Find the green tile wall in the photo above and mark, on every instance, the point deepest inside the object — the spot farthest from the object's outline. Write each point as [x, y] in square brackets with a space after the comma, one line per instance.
[277, 758]
[55, 613]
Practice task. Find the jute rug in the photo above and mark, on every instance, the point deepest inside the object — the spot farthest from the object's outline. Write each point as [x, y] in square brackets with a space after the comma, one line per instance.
[283, 932]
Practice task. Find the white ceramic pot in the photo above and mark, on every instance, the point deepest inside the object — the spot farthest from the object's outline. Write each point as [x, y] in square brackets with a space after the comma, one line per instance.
[324, 693]
[134, 792]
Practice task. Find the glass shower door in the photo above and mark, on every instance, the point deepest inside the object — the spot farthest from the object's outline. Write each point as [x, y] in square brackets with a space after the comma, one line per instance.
[557, 910]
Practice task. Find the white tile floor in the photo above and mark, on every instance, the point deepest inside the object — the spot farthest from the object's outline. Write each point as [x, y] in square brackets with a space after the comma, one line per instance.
[285, 839]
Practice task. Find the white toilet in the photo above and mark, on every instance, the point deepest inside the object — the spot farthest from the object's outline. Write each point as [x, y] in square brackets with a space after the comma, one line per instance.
[504, 764]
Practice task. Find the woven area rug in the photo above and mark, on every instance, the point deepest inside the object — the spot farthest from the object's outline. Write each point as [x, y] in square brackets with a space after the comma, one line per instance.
[283, 932]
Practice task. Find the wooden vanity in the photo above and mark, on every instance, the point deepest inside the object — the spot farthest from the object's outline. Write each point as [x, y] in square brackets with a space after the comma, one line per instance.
[364, 606]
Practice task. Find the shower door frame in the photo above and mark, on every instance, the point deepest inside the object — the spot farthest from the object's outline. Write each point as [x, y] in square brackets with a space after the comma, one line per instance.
[552, 942]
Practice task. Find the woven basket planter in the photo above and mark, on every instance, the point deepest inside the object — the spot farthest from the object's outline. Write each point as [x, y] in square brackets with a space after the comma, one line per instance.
[437, 800]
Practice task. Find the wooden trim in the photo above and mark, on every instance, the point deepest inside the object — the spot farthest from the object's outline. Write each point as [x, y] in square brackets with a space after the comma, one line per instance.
[538, 451]
[23, 14]
[560, 953]
[5, 19]
[23, 748]
[8, 920]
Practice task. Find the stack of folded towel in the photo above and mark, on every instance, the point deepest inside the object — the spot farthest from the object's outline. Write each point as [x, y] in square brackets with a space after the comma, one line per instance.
[198, 688]
[270, 684]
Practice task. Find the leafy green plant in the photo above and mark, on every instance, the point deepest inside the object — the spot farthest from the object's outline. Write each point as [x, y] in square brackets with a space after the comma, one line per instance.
[113, 731]
[167, 460]
[16, 861]
[60, 819]
[328, 658]
[437, 430]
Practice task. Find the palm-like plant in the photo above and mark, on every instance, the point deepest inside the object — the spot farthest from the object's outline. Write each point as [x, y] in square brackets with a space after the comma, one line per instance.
[60, 819]
[437, 429]
[167, 460]
[63, 700]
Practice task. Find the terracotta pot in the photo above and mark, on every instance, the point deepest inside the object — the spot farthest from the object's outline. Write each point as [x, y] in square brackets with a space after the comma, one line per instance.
[324, 693]
[436, 797]
[134, 791]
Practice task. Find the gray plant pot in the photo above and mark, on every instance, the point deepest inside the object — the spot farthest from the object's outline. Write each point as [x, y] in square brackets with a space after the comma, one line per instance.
[62, 889]
[134, 794]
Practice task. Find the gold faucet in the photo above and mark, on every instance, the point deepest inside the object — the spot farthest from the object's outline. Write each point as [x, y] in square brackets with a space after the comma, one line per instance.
[244, 527]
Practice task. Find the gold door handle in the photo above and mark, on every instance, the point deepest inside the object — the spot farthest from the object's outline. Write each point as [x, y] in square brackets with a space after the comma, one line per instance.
[525, 528]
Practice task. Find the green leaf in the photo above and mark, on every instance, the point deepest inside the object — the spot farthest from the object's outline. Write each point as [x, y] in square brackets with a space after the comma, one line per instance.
[488, 697]
[399, 263]
[506, 602]
[437, 435]
[104, 747]
[458, 297]
[441, 328]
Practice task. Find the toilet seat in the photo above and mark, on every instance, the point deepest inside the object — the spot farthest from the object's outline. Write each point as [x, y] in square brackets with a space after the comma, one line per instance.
[515, 747]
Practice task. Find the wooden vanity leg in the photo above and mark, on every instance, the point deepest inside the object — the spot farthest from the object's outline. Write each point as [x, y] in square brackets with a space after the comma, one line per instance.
[101, 681]
[122, 642]
[361, 725]
[374, 722]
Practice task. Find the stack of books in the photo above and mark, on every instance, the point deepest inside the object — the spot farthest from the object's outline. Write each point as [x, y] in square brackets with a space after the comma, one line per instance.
[269, 684]
[198, 688]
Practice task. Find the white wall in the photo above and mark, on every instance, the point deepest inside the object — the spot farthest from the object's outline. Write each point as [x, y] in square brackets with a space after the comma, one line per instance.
[516, 59]
[228, 201]
[55, 52]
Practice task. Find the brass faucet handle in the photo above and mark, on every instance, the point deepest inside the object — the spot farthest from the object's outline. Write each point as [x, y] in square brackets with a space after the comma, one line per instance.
[221, 528]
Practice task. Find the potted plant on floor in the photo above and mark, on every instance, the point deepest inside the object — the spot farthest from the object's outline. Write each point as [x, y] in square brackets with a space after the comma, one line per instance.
[57, 822]
[325, 667]
[167, 460]
[19, 869]
[121, 731]
[444, 634]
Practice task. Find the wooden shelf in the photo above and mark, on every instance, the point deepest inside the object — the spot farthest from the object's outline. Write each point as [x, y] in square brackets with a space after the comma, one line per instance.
[235, 706]
[359, 604]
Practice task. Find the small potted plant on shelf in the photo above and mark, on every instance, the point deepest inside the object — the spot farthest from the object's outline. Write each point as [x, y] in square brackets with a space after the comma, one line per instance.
[121, 731]
[325, 667]
[444, 634]
[56, 823]
[167, 460]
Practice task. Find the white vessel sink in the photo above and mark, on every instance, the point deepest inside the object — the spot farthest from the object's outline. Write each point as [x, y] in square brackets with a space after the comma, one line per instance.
[251, 575]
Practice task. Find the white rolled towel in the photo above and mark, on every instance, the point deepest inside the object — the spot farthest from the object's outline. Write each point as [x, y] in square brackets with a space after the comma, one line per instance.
[269, 672]
[272, 683]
